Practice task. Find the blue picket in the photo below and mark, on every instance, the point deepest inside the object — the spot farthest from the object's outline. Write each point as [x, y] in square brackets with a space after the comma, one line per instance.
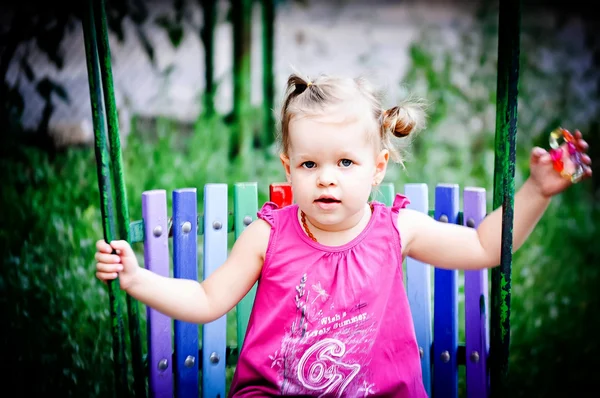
[418, 286]
[185, 266]
[445, 307]
[215, 254]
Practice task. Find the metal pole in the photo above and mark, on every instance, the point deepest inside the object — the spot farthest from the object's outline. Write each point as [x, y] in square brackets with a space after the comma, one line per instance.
[504, 189]
[119, 184]
[105, 189]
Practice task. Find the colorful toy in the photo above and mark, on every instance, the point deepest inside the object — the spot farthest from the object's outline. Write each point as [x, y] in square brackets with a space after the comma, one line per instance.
[557, 153]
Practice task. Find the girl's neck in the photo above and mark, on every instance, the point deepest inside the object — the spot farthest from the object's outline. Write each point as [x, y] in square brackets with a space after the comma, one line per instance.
[338, 235]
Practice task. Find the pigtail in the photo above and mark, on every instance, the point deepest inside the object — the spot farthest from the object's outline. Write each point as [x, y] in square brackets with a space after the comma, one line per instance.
[398, 124]
[296, 86]
[401, 121]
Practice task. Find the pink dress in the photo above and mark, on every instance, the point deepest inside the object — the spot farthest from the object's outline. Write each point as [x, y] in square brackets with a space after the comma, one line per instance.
[330, 321]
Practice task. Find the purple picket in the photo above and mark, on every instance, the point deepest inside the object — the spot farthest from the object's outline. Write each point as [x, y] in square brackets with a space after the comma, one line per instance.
[156, 259]
[185, 266]
[476, 305]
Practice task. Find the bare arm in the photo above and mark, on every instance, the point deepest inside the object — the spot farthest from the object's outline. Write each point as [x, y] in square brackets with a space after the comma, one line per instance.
[189, 300]
[458, 247]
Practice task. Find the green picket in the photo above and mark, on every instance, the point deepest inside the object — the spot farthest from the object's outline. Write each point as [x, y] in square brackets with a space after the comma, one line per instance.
[245, 206]
[385, 193]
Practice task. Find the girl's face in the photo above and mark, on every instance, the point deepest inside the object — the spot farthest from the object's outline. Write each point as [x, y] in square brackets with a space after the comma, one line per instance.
[332, 165]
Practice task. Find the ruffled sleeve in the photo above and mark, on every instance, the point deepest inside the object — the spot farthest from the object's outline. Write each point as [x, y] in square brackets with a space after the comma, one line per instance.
[400, 202]
[266, 213]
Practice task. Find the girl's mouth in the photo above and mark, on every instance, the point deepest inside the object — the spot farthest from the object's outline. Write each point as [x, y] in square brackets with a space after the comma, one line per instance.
[327, 203]
[328, 200]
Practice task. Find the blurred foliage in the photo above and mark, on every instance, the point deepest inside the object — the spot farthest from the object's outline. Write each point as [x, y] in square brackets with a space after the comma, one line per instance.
[56, 313]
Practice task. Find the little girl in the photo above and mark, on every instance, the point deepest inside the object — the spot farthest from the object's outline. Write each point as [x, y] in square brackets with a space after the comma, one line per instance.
[331, 315]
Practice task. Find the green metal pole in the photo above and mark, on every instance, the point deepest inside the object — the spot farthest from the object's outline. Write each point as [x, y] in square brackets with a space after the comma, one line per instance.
[105, 189]
[207, 33]
[504, 188]
[268, 36]
[242, 136]
[119, 185]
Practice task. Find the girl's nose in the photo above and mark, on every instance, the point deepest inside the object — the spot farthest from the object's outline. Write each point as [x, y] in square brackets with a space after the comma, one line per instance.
[326, 177]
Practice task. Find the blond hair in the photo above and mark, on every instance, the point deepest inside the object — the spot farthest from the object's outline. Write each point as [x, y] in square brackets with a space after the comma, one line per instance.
[352, 96]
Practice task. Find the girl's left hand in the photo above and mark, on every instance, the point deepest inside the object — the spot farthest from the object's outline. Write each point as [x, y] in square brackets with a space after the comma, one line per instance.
[548, 180]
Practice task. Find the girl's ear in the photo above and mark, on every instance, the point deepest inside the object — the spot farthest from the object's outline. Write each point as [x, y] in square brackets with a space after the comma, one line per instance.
[285, 161]
[381, 163]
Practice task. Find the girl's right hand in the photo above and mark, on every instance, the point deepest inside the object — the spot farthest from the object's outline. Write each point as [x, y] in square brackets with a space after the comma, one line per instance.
[123, 264]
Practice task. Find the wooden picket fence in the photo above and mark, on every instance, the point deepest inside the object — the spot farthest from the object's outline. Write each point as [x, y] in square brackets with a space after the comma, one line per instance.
[179, 365]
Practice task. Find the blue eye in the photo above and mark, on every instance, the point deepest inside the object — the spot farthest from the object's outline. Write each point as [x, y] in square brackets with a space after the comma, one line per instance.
[346, 162]
[309, 165]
